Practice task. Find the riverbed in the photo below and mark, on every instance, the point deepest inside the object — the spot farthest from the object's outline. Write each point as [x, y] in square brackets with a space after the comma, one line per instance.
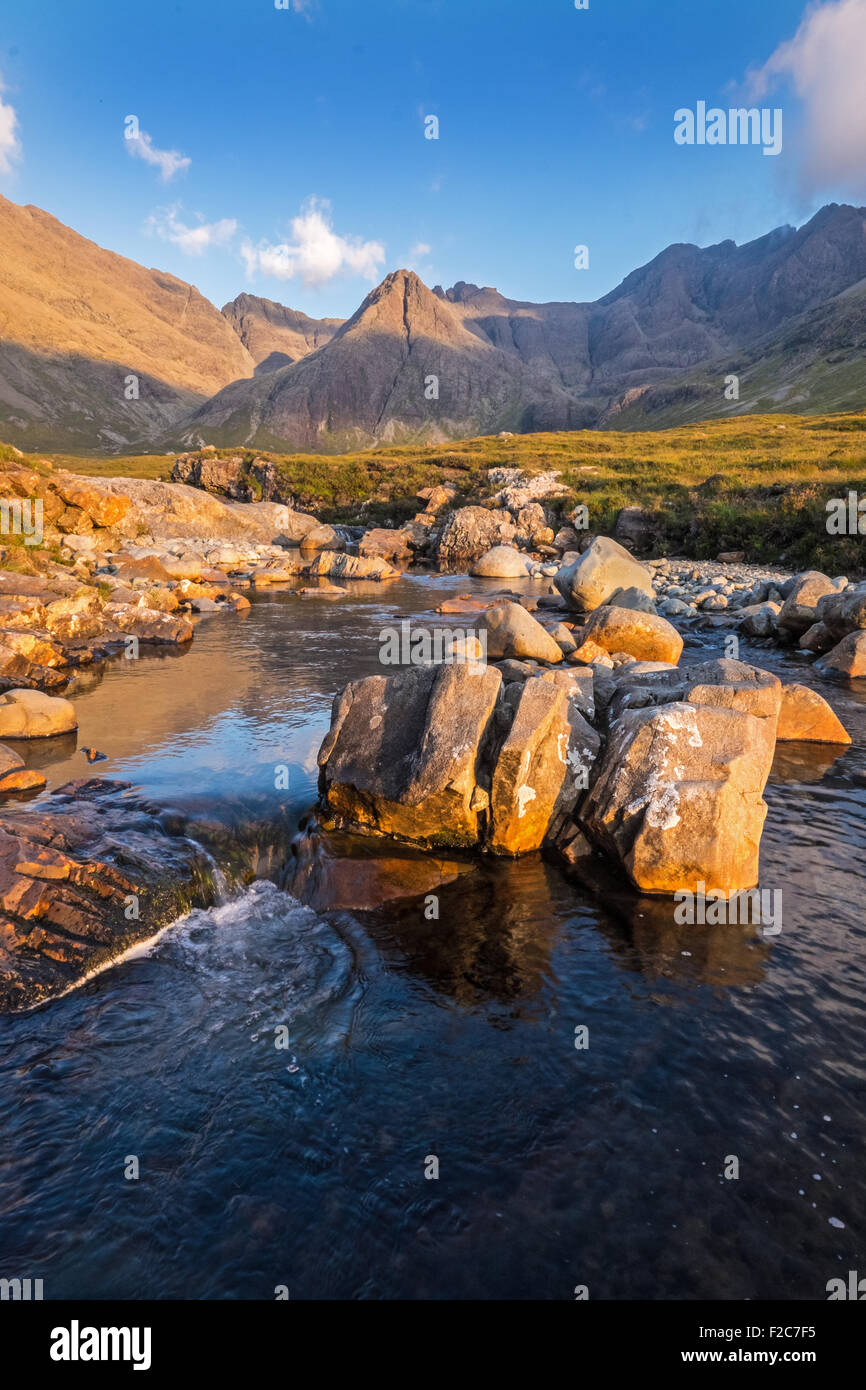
[302, 1167]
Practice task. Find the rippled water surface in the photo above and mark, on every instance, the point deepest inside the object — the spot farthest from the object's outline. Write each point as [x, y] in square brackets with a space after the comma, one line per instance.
[262, 1166]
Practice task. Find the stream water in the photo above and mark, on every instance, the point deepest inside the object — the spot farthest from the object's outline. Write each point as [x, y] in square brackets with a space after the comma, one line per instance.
[304, 1166]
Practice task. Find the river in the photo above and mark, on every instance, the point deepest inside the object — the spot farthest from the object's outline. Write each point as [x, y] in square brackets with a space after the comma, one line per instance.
[303, 1167]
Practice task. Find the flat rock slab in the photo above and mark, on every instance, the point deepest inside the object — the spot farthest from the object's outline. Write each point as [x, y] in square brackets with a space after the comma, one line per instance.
[73, 870]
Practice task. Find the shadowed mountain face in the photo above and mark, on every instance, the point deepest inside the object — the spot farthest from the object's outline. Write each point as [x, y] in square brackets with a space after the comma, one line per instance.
[274, 335]
[77, 321]
[404, 368]
[785, 312]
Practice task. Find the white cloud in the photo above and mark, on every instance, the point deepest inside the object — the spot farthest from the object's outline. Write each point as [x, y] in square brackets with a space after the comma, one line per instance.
[316, 253]
[168, 162]
[824, 62]
[10, 145]
[195, 240]
[416, 259]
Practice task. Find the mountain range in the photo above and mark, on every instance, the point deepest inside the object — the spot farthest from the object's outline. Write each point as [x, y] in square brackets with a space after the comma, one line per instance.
[98, 353]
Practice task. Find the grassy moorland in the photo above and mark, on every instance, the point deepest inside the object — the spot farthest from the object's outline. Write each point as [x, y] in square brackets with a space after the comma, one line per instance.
[753, 483]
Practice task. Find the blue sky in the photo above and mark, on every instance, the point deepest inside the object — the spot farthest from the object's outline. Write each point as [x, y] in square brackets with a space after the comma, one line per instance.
[287, 154]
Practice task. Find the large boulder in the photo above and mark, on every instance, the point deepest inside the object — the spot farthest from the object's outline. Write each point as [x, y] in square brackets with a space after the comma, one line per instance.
[448, 755]
[721, 682]
[735, 685]
[33, 714]
[759, 619]
[469, 532]
[636, 527]
[81, 493]
[502, 562]
[844, 612]
[645, 636]
[512, 632]
[603, 568]
[75, 618]
[848, 657]
[385, 543]
[542, 769]
[402, 754]
[804, 714]
[322, 537]
[341, 566]
[678, 798]
[176, 510]
[800, 609]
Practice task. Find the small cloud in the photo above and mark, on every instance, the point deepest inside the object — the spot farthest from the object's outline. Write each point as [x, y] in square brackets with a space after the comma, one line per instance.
[824, 63]
[316, 253]
[168, 162]
[193, 241]
[416, 260]
[10, 145]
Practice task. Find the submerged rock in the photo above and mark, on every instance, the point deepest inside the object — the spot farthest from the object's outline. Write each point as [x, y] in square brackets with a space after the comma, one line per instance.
[332, 870]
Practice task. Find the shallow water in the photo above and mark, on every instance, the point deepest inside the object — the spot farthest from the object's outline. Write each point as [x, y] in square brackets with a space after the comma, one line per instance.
[304, 1166]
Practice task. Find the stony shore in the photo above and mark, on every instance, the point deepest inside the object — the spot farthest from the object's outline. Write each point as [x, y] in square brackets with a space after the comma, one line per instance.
[562, 722]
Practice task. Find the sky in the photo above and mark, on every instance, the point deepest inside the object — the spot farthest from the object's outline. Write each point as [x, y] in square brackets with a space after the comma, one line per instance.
[282, 148]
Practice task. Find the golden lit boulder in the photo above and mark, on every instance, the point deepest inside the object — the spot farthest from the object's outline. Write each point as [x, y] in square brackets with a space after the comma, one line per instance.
[22, 780]
[645, 636]
[678, 797]
[587, 652]
[322, 537]
[542, 769]
[103, 509]
[734, 685]
[805, 714]
[387, 543]
[512, 632]
[77, 617]
[32, 714]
